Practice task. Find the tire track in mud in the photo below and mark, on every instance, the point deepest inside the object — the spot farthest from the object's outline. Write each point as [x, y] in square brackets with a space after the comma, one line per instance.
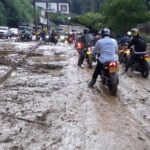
[135, 96]
[102, 122]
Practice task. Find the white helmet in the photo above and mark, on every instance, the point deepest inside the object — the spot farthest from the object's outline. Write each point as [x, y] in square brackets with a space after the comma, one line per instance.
[105, 32]
[129, 33]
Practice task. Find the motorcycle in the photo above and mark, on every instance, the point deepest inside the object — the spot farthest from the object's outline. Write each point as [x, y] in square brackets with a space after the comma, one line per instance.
[124, 54]
[109, 76]
[86, 53]
[140, 64]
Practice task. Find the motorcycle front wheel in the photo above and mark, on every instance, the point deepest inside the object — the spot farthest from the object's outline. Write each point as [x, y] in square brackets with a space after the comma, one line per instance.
[89, 61]
[81, 58]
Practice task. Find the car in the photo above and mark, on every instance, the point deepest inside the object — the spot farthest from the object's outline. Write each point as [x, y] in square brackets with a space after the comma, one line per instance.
[14, 31]
[4, 32]
[23, 28]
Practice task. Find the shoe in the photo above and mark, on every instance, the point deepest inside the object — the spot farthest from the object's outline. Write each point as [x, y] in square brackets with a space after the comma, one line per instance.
[91, 84]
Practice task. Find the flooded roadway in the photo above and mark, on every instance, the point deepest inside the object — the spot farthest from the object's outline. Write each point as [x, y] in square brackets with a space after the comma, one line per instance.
[46, 104]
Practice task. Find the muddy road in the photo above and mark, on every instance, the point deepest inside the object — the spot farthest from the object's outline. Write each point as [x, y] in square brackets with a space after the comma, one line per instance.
[45, 103]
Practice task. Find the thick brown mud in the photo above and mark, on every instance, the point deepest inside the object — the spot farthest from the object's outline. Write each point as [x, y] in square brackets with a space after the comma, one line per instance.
[46, 105]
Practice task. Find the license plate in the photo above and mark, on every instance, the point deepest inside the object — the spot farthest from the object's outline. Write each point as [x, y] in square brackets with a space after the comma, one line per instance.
[88, 52]
[147, 58]
[113, 69]
[127, 52]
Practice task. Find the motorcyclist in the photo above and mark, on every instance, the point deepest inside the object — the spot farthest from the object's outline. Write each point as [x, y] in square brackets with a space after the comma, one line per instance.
[43, 34]
[53, 36]
[87, 40]
[107, 48]
[125, 40]
[27, 34]
[139, 46]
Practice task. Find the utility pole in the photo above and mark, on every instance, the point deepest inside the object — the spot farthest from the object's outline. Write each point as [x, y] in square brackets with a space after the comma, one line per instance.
[47, 13]
[34, 13]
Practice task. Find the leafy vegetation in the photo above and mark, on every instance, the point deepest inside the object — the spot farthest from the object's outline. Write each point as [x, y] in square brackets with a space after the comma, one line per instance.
[125, 14]
[84, 6]
[13, 11]
[58, 18]
[91, 20]
[118, 15]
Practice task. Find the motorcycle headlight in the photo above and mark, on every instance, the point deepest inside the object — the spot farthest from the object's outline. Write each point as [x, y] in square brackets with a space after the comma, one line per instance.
[47, 36]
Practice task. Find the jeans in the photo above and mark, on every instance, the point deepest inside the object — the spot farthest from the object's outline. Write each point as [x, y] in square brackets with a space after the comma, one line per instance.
[97, 70]
[130, 61]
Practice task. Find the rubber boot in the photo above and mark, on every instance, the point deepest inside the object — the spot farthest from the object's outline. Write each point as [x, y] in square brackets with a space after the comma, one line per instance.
[91, 84]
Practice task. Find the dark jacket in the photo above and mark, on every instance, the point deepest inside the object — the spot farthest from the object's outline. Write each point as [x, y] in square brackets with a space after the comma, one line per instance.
[88, 40]
[124, 40]
[139, 44]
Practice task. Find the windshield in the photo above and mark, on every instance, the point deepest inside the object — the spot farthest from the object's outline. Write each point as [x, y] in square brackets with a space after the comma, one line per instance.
[3, 28]
[13, 29]
[22, 28]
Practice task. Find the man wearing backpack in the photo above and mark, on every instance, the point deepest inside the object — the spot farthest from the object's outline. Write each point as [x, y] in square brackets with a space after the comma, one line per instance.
[139, 46]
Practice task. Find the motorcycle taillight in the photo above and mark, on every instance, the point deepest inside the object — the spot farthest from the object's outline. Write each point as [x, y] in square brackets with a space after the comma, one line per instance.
[146, 55]
[78, 45]
[113, 64]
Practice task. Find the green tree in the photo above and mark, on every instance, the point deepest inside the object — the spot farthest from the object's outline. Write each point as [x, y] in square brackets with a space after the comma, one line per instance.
[12, 11]
[91, 20]
[84, 6]
[121, 15]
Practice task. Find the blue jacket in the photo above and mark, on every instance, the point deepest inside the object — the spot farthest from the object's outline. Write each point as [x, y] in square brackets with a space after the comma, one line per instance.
[107, 48]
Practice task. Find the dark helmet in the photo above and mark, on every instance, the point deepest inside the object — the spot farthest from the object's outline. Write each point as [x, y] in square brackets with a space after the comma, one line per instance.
[86, 30]
[105, 32]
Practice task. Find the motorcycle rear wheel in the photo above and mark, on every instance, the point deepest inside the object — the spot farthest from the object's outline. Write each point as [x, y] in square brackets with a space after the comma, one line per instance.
[145, 69]
[113, 90]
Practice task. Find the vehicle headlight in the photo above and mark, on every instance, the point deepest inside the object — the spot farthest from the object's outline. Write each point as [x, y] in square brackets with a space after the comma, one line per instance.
[62, 37]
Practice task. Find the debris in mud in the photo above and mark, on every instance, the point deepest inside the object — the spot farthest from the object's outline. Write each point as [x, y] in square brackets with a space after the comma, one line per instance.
[16, 147]
[6, 61]
[44, 68]
[35, 54]
[55, 141]
[148, 134]
[141, 138]
[6, 140]
[147, 90]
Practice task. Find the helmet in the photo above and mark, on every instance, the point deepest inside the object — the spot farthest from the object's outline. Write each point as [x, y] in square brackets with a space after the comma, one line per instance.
[105, 32]
[86, 30]
[135, 31]
[129, 33]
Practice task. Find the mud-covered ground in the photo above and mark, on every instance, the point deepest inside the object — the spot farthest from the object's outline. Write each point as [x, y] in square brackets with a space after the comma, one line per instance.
[45, 103]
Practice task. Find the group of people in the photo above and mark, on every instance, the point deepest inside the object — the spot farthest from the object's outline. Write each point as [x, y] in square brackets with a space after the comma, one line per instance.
[107, 48]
